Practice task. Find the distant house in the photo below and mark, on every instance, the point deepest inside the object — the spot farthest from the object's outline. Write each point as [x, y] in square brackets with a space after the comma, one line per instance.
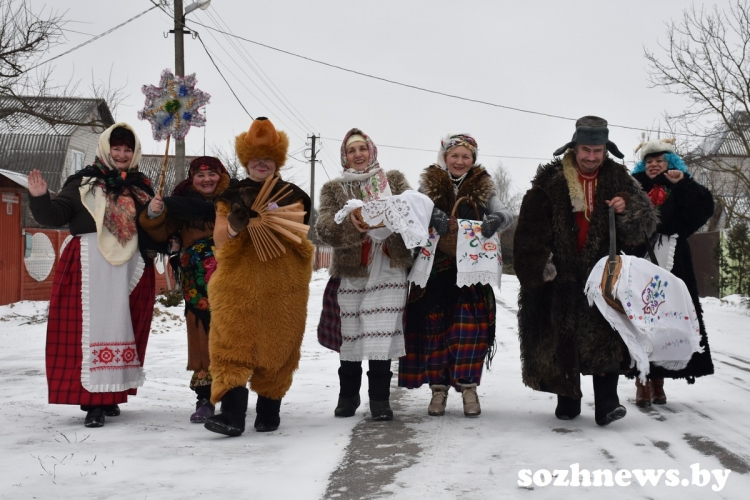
[29, 252]
[727, 149]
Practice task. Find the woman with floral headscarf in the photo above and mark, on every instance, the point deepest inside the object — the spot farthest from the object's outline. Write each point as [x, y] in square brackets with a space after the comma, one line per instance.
[102, 298]
[364, 300]
[684, 206]
[449, 330]
[186, 219]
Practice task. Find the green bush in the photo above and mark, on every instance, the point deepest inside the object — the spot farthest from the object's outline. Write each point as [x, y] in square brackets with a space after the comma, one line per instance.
[170, 298]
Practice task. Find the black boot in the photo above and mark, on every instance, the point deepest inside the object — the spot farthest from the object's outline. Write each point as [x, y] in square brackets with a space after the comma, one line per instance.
[267, 414]
[112, 410]
[231, 420]
[607, 407]
[94, 417]
[350, 380]
[379, 390]
[567, 408]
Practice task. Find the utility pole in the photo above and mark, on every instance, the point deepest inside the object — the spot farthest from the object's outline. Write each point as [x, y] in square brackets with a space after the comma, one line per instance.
[312, 179]
[179, 69]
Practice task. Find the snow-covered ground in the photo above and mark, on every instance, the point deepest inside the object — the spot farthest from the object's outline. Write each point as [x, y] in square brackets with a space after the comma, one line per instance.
[152, 451]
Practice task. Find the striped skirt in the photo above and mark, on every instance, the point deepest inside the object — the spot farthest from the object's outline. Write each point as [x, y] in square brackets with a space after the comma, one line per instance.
[449, 331]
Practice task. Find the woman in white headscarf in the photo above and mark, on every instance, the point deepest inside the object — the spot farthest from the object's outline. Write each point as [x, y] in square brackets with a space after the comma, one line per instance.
[363, 305]
[103, 292]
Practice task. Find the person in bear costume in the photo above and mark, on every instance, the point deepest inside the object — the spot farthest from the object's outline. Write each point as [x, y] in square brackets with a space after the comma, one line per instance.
[258, 307]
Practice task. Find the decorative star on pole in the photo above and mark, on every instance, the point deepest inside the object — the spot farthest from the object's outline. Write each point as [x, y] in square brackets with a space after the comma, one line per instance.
[172, 108]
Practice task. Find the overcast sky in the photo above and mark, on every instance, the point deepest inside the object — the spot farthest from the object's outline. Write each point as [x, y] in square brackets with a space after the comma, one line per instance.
[569, 58]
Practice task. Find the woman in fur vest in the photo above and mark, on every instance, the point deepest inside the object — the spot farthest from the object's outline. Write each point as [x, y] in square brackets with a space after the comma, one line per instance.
[450, 331]
[258, 305]
[102, 298]
[364, 301]
[684, 206]
[186, 219]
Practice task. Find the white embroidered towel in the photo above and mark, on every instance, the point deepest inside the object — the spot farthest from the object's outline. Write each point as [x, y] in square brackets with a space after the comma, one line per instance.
[477, 257]
[660, 324]
[407, 214]
[420, 271]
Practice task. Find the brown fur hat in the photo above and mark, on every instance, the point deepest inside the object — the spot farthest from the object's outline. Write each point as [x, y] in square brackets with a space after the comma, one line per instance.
[262, 141]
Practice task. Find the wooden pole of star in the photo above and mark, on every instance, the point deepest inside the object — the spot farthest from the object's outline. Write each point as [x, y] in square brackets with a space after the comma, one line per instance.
[164, 167]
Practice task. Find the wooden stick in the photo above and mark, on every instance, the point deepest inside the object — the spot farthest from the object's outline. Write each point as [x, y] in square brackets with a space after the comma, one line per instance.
[164, 168]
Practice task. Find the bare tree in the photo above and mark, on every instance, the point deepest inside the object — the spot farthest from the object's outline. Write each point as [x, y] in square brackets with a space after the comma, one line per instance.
[505, 190]
[26, 37]
[227, 156]
[707, 60]
[511, 199]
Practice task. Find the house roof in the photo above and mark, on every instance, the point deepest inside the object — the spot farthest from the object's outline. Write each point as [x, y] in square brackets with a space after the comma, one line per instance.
[726, 141]
[24, 153]
[28, 142]
[151, 166]
[19, 179]
[77, 109]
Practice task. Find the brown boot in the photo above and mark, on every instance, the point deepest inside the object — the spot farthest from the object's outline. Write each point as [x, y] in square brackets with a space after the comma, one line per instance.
[642, 393]
[471, 400]
[439, 398]
[657, 392]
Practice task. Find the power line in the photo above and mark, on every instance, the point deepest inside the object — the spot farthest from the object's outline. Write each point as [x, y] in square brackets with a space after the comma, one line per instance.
[252, 80]
[267, 80]
[435, 151]
[223, 77]
[414, 87]
[92, 39]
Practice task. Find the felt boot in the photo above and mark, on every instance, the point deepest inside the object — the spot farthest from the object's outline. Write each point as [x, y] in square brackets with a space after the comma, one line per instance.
[267, 414]
[350, 380]
[94, 417]
[112, 410]
[231, 420]
[642, 393]
[379, 390]
[567, 408]
[438, 401]
[607, 407]
[657, 392]
[471, 400]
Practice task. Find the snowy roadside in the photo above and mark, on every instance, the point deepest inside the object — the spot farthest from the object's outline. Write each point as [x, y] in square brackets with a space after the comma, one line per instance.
[152, 450]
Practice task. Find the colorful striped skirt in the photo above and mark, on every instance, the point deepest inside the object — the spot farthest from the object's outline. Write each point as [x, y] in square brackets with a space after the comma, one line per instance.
[449, 331]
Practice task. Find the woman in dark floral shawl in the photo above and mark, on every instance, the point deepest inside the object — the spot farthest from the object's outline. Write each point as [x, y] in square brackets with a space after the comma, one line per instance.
[186, 220]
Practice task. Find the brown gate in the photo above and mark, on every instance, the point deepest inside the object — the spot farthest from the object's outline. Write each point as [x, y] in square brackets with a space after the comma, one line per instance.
[10, 245]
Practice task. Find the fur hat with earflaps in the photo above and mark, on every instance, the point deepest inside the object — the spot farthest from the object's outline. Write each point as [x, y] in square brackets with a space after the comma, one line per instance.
[591, 131]
[262, 141]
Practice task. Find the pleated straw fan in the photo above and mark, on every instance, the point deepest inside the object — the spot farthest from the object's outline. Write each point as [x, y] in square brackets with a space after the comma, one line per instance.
[274, 222]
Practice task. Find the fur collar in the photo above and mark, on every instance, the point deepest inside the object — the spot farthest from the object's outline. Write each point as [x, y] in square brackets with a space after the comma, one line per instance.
[577, 198]
[437, 185]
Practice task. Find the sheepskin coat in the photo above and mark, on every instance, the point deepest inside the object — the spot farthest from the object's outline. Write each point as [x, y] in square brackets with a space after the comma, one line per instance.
[561, 336]
[258, 309]
[346, 261]
[686, 209]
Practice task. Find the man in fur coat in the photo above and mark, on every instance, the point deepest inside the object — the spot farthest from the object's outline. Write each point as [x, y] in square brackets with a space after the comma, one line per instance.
[258, 305]
[562, 233]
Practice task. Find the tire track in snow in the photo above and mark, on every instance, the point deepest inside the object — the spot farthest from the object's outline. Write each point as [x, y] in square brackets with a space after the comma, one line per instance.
[377, 451]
